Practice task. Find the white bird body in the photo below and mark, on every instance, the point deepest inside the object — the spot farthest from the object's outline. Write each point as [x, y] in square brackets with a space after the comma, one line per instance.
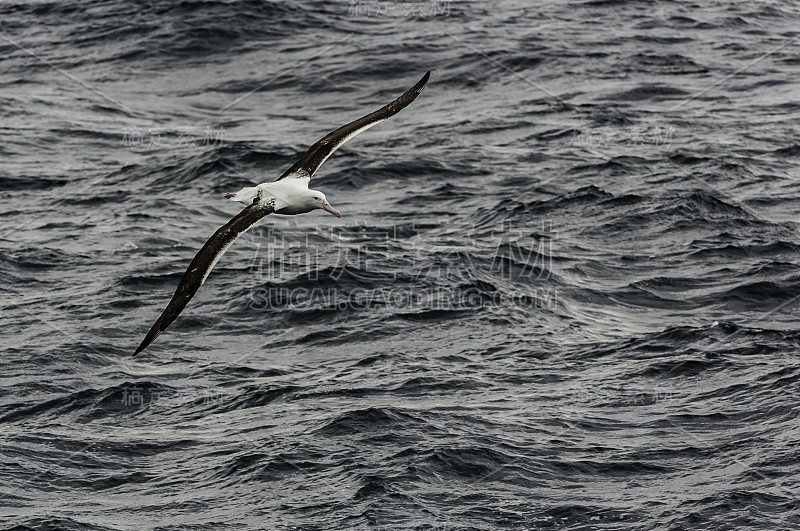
[288, 196]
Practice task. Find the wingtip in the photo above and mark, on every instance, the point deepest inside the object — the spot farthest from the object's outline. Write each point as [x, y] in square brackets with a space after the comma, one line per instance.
[417, 89]
[151, 336]
[409, 95]
[140, 348]
[424, 81]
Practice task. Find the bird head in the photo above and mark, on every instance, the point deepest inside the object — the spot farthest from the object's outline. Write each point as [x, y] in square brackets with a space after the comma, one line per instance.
[316, 199]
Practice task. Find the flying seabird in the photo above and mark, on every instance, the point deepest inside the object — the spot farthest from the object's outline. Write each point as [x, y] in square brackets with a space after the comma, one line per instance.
[288, 194]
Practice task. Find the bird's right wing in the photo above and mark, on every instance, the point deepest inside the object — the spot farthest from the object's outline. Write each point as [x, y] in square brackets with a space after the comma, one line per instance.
[319, 152]
[204, 261]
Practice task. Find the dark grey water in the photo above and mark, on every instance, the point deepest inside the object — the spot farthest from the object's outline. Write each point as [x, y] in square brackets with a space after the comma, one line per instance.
[562, 295]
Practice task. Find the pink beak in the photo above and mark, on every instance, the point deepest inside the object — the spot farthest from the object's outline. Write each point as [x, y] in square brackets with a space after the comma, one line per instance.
[327, 206]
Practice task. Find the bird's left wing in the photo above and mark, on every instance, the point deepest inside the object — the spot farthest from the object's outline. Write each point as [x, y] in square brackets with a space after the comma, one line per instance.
[204, 262]
[320, 151]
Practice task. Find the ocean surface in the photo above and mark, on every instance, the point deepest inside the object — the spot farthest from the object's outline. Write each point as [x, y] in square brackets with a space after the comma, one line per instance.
[563, 293]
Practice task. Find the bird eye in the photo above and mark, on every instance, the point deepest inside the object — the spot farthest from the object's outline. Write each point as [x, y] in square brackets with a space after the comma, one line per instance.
[316, 198]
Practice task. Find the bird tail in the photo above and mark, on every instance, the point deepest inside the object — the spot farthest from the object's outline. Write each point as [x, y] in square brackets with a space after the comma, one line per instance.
[244, 196]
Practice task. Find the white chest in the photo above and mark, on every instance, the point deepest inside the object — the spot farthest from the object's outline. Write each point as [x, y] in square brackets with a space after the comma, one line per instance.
[291, 196]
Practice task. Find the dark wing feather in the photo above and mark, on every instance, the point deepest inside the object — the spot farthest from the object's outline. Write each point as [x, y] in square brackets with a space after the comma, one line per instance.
[319, 152]
[202, 264]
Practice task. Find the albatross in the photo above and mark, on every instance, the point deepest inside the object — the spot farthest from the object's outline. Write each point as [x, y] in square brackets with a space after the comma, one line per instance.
[288, 194]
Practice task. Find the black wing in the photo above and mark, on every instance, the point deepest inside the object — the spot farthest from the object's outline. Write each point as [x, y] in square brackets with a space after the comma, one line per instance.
[203, 263]
[319, 152]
